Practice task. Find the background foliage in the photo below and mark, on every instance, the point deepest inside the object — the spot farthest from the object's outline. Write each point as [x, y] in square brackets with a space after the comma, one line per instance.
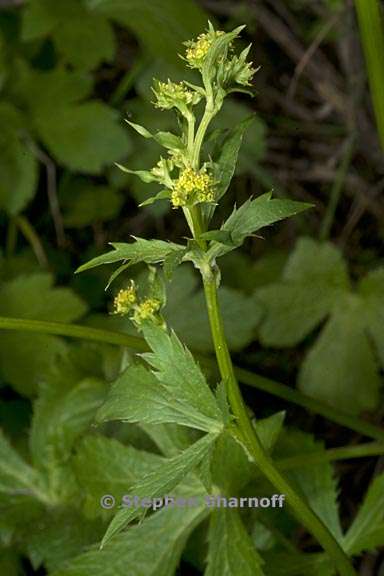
[303, 305]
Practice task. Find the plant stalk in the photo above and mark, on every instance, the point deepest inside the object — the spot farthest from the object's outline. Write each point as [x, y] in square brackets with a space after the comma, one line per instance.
[244, 376]
[249, 436]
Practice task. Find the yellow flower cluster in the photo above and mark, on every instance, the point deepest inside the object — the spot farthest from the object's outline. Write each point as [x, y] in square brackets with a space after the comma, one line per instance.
[146, 310]
[168, 93]
[198, 49]
[124, 300]
[192, 187]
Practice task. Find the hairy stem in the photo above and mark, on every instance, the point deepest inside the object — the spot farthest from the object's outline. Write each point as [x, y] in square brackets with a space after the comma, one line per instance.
[250, 438]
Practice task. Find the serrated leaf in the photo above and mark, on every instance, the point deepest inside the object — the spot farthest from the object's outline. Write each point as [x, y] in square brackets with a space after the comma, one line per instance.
[16, 476]
[268, 429]
[171, 439]
[61, 415]
[254, 215]
[152, 547]
[178, 372]
[231, 465]
[105, 466]
[315, 482]
[139, 397]
[367, 530]
[231, 552]
[161, 481]
[141, 250]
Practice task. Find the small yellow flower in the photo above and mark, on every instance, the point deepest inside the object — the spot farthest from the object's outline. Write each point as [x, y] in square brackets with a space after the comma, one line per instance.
[192, 187]
[169, 94]
[197, 50]
[146, 310]
[124, 300]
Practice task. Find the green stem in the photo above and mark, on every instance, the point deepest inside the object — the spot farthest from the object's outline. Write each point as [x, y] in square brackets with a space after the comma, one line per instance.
[249, 436]
[11, 238]
[337, 189]
[203, 126]
[246, 377]
[370, 20]
[191, 134]
[74, 331]
[315, 406]
[31, 236]
[331, 455]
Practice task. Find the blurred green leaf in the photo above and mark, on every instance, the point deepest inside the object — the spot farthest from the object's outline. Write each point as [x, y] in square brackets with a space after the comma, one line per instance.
[160, 26]
[370, 18]
[16, 476]
[18, 165]
[315, 285]
[231, 552]
[60, 536]
[314, 279]
[25, 358]
[85, 203]
[186, 313]
[83, 137]
[83, 38]
[152, 547]
[10, 563]
[341, 367]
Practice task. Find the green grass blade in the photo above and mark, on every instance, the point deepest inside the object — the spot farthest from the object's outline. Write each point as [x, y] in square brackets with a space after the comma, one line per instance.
[372, 38]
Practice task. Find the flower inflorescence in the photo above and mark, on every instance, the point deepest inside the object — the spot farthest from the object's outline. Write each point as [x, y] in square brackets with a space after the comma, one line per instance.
[127, 302]
[175, 95]
[193, 187]
[198, 49]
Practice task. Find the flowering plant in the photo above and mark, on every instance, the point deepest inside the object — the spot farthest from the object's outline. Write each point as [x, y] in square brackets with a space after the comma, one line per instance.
[177, 391]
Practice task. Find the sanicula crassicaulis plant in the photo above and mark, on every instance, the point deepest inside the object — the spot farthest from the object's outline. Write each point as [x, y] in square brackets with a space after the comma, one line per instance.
[194, 182]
